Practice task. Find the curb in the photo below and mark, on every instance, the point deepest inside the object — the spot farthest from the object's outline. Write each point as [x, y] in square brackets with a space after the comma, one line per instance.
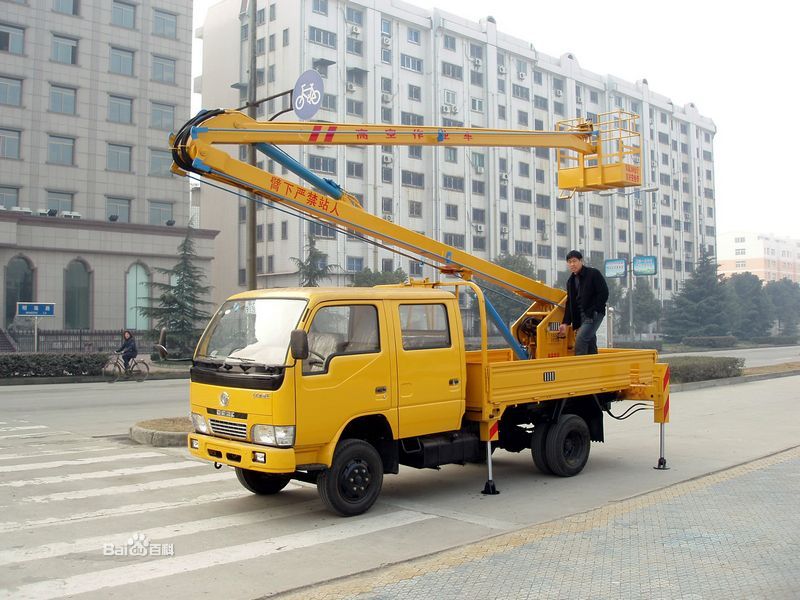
[699, 385]
[83, 379]
[160, 439]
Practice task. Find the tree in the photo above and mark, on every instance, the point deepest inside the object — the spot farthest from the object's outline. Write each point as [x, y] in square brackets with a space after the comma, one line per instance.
[616, 300]
[785, 297]
[177, 305]
[508, 304]
[369, 278]
[315, 267]
[646, 307]
[755, 312]
[703, 307]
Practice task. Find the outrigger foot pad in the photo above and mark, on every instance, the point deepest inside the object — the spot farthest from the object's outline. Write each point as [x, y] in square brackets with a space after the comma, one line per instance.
[489, 489]
[662, 465]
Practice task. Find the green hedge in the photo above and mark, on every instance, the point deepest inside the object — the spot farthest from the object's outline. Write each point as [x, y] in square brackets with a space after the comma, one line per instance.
[710, 341]
[684, 369]
[23, 364]
[776, 340]
[641, 345]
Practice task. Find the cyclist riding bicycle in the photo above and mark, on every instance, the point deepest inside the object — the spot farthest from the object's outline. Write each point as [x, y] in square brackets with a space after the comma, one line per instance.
[128, 349]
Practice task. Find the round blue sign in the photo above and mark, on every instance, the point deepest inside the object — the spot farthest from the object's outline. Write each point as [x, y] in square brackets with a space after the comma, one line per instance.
[307, 95]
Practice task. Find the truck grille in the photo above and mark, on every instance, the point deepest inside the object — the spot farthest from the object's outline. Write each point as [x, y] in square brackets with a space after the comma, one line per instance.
[229, 428]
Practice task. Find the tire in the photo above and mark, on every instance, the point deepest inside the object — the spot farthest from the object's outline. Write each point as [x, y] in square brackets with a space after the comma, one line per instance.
[567, 446]
[140, 371]
[353, 482]
[112, 372]
[538, 445]
[263, 484]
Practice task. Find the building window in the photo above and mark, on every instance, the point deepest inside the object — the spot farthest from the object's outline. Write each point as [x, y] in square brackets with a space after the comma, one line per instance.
[9, 196]
[12, 39]
[355, 107]
[118, 158]
[413, 179]
[501, 112]
[60, 150]
[524, 221]
[121, 207]
[165, 24]
[543, 201]
[520, 92]
[540, 102]
[63, 99]
[162, 116]
[18, 286]
[478, 215]
[449, 42]
[476, 78]
[355, 46]
[415, 209]
[160, 212]
[120, 109]
[10, 91]
[522, 195]
[524, 169]
[387, 205]
[322, 164]
[320, 7]
[66, 7]
[456, 240]
[163, 69]
[410, 63]
[476, 104]
[123, 14]
[355, 169]
[451, 154]
[453, 183]
[60, 201]
[544, 251]
[322, 37]
[478, 187]
[414, 36]
[137, 295]
[387, 174]
[353, 15]
[414, 93]
[64, 50]
[596, 210]
[386, 27]
[451, 211]
[9, 143]
[523, 248]
[285, 37]
[354, 264]
[386, 56]
[160, 163]
[452, 71]
[121, 61]
[76, 295]
[414, 269]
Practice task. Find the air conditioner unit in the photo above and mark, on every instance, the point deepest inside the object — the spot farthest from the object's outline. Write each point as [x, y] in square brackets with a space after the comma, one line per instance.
[386, 98]
[501, 69]
[351, 87]
[42, 212]
[504, 230]
[638, 202]
[387, 159]
[522, 75]
[578, 100]
[71, 215]
[445, 108]
[479, 170]
[559, 93]
[477, 62]
[388, 217]
[355, 30]
[453, 109]
[478, 228]
[21, 209]
[503, 176]
[386, 40]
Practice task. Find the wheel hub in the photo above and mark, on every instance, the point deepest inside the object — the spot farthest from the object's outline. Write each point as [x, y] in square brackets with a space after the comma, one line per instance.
[355, 480]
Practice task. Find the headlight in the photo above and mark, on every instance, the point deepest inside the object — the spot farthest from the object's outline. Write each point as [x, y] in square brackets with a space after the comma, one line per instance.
[271, 435]
[200, 423]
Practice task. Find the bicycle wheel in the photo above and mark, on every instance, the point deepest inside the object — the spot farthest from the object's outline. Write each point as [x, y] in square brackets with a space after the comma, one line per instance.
[112, 371]
[140, 371]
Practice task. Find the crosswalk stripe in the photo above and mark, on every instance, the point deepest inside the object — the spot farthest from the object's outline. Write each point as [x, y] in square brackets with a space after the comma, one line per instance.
[23, 428]
[52, 452]
[98, 580]
[167, 533]
[79, 461]
[32, 435]
[127, 489]
[186, 464]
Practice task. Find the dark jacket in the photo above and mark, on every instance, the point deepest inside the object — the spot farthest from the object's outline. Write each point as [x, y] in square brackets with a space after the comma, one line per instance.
[588, 298]
[128, 348]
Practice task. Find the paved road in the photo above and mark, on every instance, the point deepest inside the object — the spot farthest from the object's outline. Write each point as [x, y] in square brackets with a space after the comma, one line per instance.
[66, 496]
[754, 357]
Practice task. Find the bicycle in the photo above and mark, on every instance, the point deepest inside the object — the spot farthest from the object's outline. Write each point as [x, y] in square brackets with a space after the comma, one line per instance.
[114, 369]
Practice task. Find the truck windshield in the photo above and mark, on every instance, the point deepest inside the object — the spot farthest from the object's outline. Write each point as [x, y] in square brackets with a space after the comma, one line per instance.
[252, 330]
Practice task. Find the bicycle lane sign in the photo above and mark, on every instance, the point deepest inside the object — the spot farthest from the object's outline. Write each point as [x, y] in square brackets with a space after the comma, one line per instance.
[307, 94]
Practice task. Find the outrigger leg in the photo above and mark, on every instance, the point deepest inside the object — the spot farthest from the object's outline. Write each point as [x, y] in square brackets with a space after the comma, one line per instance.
[489, 489]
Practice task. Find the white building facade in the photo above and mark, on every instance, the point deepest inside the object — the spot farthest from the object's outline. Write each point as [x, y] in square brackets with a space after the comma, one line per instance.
[89, 92]
[388, 62]
[769, 257]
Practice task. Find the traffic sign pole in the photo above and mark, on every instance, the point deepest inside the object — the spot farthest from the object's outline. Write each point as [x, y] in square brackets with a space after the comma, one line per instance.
[36, 334]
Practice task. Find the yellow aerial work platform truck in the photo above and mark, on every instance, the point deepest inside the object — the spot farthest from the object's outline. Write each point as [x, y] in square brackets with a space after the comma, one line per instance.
[337, 386]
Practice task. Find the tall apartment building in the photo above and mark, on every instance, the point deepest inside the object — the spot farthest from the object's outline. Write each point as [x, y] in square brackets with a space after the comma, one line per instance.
[385, 61]
[768, 257]
[89, 91]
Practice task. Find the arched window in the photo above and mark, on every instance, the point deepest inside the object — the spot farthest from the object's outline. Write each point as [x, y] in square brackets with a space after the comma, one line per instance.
[19, 286]
[76, 295]
[137, 295]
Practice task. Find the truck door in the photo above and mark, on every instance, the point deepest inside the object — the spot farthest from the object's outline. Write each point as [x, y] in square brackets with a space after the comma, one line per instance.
[429, 368]
[348, 370]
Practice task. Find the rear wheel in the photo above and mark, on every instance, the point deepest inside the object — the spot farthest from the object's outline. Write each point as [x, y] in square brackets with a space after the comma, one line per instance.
[567, 446]
[140, 370]
[538, 444]
[263, 484]
[112, 371]
[353, 482]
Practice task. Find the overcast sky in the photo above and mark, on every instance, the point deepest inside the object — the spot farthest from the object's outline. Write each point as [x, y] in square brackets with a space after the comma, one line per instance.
[736, 61]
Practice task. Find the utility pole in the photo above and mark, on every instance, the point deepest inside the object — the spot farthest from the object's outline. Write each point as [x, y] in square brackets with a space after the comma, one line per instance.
[250, 215]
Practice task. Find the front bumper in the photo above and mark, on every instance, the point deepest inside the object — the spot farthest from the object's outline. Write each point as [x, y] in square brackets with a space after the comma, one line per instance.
[240, 454]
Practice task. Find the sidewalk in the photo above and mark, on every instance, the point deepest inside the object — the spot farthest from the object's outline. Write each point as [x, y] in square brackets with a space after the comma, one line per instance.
[733, 534]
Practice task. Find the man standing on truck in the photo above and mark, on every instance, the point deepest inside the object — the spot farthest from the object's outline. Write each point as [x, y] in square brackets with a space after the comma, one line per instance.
[587, 294]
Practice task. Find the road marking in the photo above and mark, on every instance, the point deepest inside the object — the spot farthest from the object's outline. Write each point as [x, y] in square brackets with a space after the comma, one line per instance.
[127, 489]
[164, 567]
[117, 511]
[79, 461]
[103, 474]
[51, 452]
[32, 435]
[24, 427]
[165, 533]
[457, 516]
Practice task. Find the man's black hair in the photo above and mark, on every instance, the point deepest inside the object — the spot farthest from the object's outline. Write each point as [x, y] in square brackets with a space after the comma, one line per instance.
[574, 254]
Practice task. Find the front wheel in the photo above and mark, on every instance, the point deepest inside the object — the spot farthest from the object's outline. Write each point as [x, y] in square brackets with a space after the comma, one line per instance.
[263, 484]
[353, 482]
[567, 447]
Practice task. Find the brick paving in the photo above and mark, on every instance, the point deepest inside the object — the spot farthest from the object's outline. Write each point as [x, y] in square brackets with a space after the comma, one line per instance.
[733, 534]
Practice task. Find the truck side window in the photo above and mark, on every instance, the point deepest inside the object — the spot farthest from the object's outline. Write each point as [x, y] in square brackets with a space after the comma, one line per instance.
[424, 326]
[337, 330]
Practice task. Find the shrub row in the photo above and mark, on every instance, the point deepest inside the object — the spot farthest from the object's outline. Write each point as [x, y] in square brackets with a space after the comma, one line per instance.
[776, 340]
[641, 345]
[22, 364]
[684, 369]
[710, 341]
